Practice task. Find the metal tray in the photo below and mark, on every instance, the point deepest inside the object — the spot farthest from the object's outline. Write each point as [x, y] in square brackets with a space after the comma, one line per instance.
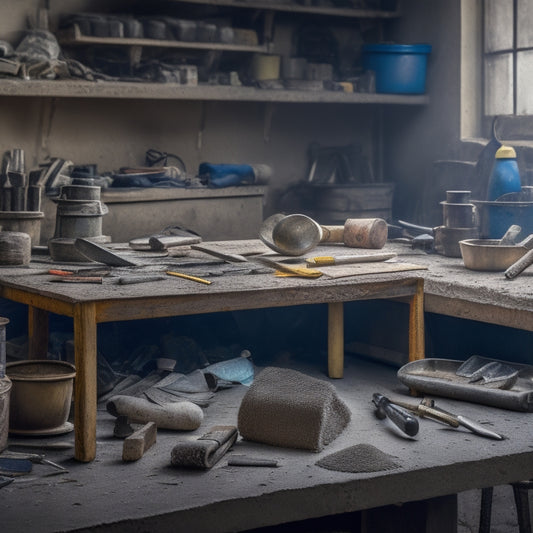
[438, 377]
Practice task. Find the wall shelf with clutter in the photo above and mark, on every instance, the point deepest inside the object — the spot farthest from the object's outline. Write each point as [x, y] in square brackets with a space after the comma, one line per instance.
[136, 38]
[173, 91]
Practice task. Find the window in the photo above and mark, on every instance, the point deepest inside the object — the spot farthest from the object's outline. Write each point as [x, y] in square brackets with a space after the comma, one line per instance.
[508, 57]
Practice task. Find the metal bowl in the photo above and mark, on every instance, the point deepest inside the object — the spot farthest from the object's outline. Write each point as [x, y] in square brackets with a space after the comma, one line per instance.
[488, 255]
[290, 234]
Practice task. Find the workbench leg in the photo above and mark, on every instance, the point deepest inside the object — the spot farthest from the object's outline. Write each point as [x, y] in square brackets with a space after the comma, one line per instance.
[416, 324]
[85, 383]
[441, 515]
[336, 339]
[37, 333]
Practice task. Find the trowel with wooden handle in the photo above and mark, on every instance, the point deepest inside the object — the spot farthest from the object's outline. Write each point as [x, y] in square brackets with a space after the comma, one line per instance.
[348, 259]
[261, 259]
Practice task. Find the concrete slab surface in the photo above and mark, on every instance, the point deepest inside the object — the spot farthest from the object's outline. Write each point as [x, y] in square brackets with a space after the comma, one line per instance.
[151, 495]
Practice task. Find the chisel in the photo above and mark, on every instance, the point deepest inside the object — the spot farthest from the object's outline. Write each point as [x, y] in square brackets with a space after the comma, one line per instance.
[401, 417]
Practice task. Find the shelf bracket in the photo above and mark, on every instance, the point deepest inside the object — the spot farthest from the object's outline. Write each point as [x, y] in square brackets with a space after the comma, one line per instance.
[201, 126]
[134, 55]
[267, 122]
[268, 30]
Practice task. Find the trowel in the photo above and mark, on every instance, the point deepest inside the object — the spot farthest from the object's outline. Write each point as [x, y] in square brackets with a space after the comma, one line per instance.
[98, 253]
[261, 259]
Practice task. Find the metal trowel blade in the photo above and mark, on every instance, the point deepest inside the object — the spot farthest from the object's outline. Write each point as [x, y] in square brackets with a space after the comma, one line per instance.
[98, 253]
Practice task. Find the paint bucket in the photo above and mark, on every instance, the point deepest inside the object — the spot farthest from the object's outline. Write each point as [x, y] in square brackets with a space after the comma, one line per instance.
[265, 67]
[399, 68]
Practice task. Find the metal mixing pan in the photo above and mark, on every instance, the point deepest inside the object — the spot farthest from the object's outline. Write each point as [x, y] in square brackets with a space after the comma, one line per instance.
[439, 377]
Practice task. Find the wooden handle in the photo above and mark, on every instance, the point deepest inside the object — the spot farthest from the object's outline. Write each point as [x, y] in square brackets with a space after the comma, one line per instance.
[358, 233]
[332, 234]
[519, 266]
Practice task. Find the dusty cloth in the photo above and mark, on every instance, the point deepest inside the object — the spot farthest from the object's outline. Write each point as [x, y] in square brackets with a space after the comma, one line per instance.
[206, 451]
[358, 458]
[286, 408]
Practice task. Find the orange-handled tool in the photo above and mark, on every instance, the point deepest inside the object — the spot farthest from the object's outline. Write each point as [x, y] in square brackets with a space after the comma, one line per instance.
[56, 272]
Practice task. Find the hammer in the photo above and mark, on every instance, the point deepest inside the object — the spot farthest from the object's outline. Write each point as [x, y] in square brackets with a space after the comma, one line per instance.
[358, 233]
[296, 234]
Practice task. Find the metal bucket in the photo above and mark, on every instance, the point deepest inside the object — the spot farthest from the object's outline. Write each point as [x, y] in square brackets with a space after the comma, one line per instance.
[23, 221]
[41, 396]
[334, 203]
[5, 390]
[495, 217]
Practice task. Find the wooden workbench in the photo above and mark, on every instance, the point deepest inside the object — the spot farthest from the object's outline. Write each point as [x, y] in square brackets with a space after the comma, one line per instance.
[90, 304]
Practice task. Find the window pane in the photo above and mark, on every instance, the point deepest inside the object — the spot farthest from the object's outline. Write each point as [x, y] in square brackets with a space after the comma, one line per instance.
[499, 25]
[499, 85]
[524, 73]
[525, 23]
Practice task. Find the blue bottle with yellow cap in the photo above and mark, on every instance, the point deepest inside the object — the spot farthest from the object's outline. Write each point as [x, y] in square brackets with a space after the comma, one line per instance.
[505, 177]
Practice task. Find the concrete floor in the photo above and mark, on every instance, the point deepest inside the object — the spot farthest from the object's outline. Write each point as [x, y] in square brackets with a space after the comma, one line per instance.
[503, 519]
[149, 495]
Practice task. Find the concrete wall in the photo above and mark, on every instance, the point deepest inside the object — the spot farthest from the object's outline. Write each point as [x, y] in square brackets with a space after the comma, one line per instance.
[115, 133]
[415, 138]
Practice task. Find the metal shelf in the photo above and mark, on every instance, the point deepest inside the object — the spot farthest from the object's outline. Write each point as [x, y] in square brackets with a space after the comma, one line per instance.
[296, 8]
[73, 37]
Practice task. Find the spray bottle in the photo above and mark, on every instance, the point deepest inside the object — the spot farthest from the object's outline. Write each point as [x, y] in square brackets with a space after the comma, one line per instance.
[505, 177]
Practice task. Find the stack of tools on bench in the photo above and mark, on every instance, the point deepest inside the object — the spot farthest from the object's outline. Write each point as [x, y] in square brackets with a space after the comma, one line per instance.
[20, 215]
[79, 215]
[17, 192]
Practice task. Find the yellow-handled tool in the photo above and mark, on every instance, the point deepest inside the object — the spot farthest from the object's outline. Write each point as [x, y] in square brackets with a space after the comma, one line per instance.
[187, 276]
[347, 259]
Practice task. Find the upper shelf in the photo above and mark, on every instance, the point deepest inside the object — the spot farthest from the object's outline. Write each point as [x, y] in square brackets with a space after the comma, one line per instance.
[295, 8]
[73, 37]
[172, 91]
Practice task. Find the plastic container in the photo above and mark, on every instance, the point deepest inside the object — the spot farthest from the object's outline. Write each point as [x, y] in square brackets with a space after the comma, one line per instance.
[229, 175]
[399, 68]
[505, 177]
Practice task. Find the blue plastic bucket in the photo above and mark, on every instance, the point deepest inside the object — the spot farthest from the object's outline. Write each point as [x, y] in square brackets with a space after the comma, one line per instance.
[495, 218]
[399, 68]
